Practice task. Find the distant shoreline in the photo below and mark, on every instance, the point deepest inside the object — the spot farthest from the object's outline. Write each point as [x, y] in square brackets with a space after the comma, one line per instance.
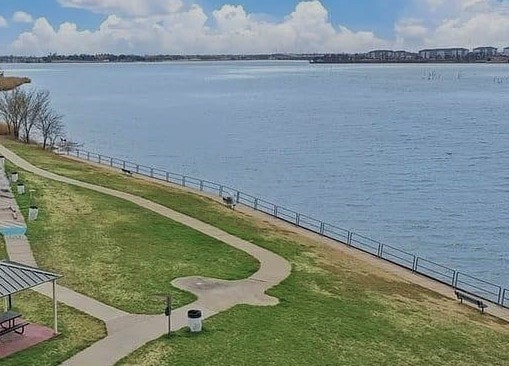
[311, 61]
[436, 55]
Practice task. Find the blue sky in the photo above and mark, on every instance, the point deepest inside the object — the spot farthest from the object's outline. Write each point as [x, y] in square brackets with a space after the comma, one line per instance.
[209, 26]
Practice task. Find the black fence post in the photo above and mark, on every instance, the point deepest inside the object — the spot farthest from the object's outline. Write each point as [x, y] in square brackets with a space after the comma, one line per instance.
[454, 274]
[238, 197]
[297, 219]
[151, 172]
[201, 185]
[322, 228]
[183, 181]
[111, 161]
[256, 204]
[221, 189]
[455, 281]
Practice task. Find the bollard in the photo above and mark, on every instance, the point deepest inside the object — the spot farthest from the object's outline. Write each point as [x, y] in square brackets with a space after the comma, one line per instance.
[2, 161]
[195, 321]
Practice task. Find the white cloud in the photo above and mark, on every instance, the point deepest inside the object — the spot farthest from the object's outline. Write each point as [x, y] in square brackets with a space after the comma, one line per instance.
[449, 23]
[127, 7]
[410, 33]
[481, 29]
[188, 29]
[3, 22]
[22, 17]
[174, 26]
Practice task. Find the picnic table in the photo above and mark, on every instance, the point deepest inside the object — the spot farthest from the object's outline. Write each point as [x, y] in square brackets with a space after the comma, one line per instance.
[8, 323]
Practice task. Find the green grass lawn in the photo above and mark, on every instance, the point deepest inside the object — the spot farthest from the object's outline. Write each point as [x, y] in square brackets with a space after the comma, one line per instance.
[77, 330]
[335, 309]
[116, 252]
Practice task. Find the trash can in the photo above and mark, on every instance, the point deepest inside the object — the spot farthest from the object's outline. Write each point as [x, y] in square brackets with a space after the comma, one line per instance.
[2, 161]
[14, 177]
[21, 188]
[33, 212]
[195, 324]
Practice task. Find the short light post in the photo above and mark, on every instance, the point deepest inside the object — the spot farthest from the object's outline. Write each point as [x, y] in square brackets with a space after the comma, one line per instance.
[167, 312]
[167, 309]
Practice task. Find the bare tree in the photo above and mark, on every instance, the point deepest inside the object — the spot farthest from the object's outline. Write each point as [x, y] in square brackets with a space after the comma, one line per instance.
[37, 104]
[50, 125]
[13, 110]
[25, 110]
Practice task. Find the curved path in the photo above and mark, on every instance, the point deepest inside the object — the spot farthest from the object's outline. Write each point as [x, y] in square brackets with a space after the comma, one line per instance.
[127, 332]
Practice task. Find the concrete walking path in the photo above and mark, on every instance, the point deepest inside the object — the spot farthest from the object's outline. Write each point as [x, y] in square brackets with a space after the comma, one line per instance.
[128, 332]
[19, 251]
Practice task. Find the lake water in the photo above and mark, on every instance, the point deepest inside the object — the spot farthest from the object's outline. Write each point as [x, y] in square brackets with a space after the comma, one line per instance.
[416, 156]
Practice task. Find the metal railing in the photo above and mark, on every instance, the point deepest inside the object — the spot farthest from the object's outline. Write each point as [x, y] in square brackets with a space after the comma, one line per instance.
[457, 280]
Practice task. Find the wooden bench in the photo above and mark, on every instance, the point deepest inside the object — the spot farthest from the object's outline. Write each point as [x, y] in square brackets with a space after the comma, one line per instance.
[469, 298]
[127, 172]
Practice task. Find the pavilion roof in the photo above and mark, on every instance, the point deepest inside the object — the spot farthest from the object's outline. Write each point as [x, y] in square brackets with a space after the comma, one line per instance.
[16, 277]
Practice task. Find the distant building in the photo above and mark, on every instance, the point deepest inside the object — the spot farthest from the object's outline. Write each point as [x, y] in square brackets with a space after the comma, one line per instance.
[485, 52]
[381, 55]
[506, 51]
[405, 56]
[444, 53]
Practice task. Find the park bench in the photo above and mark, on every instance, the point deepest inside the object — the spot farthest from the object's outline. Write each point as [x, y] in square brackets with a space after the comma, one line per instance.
[466, 297]
[229, 202]
[127, 172]
[8, 323]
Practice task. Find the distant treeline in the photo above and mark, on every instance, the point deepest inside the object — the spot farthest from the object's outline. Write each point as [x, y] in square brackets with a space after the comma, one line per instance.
[54, 58]
[377, 56]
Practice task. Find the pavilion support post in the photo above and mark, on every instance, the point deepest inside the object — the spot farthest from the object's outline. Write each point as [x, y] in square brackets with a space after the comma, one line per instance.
[6, 304]
[55, 308]
[9, 302]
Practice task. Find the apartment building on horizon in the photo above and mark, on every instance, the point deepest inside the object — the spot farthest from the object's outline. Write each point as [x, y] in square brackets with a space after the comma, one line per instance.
[443, 53]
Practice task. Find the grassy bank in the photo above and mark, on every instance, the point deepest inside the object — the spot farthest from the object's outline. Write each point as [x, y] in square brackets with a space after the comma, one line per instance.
[9, 83]
[78, 330]
[117, 252]
[335, 309]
